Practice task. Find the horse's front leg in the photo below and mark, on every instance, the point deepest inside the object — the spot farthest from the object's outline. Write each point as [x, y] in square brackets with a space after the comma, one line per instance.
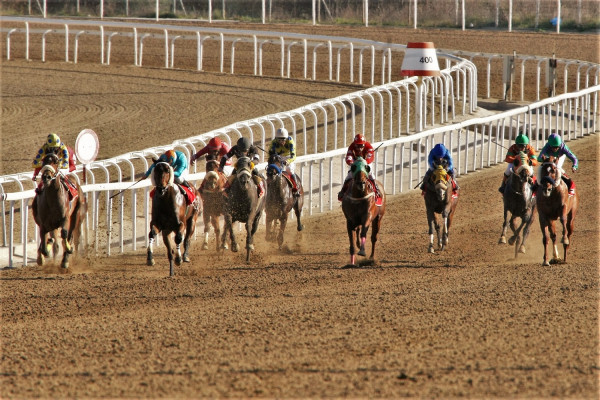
[298, 211]
[363, 239]
[375, 230]
[545, 239]
[217, 229]
[563, 221]
[502, 239]
[169, 247]
[268, 227]
[282, 224]
[526, 226]
[229, 229]
[552, 229]
[178, 240]
[514, 230]
[43, 248]
[151, 238]
[431, 222]
[351, 234]
[207, 220]
[64, 235]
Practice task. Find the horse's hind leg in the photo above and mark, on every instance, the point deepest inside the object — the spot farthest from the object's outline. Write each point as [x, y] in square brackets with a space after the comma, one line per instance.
[43, 250]
[282, 225]
[178, 240]
[298, 212]
[374, 233]
[217, 229]
[151, 238]
[363, 240]
[570, 226]
[207, 220]
[515, 231]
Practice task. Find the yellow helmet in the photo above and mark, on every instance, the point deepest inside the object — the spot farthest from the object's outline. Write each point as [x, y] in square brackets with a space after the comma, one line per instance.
[53, 140]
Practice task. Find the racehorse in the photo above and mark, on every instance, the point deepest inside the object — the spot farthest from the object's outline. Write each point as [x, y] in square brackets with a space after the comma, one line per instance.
[520, 202]
[281, 200]
[244, 205]
[213, 199]
[439, 199]
[52, 210]
[360, 210]
[554, 202]
[171, 214]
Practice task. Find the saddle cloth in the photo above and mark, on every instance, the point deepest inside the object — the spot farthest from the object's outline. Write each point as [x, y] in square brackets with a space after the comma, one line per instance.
[187, 192]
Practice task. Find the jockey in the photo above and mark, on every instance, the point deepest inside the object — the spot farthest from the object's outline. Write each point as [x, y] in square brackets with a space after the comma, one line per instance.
[214, 150]
[440, 155]
[283, 145]
[178, 161]
[360, 148]
[53, 144]
[244, 148]
[558, 149]
[521, 144]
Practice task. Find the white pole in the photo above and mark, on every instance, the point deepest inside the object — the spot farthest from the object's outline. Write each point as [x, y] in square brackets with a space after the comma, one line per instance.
[44, 9]
[464, 17]
[510, 15]
[537, 13]
[264, 11]
[101, 9]
[415, 16]
[77, 7]
[210, 11]
[497, 21]
[314, 11]
[366, 5]
[558, 16]
[456, 12]
[223, 6]
[157, 7]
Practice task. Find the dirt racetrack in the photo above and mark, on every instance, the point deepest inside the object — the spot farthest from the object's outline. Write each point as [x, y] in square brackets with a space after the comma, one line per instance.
[469, 322]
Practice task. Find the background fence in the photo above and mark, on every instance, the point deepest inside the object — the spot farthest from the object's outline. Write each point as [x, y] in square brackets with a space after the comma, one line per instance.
[517, 14]
[385, 113]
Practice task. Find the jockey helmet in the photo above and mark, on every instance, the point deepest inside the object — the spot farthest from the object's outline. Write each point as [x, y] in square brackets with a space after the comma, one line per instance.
[214, 144]
[53, 140]
[359, 139]
[554, 140]
[438, 151]
[522, 139]
[281, 133]
[243, 144]
[171, 156]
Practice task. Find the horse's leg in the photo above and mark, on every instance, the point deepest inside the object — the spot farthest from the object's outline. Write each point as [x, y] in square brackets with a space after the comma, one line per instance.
[570, 226]
[351, 238]
[151, 237]
[178, 240]
[189, 232]
[299, 203]
[207, 220]
[217, 229]
[552, 229]
[528, 221]
[563, 220]
[268, 228]
[229, 229]
[364, 229]
[169, 246]
[513, 229]
[282, 224]
[42, 248]
[374, 233]
[502, 239]
[545, 238]
[431, 222]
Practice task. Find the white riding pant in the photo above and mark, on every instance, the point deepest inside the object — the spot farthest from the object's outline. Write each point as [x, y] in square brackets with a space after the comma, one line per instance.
[290, 168]
[181, 177]
[560, 162]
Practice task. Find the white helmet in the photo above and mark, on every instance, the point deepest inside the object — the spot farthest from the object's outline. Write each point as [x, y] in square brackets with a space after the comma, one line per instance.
[281, 133]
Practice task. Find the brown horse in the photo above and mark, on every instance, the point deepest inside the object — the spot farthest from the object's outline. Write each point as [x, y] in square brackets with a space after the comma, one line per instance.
[211, 190]
[519, 202]
[171, 214]
[360, 210]
[439, 200]
[554, 202]
[281, 200]
[52, 210]
[244, 205]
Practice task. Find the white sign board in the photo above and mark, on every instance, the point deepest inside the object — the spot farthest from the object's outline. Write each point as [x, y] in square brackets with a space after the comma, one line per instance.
[86, 146]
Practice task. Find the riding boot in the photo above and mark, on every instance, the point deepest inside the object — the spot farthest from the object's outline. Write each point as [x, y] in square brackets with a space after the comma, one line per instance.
[259, 184]
[343, 191]
[296, 187]
[378, 198]
[501, 188]
[455, 187]
[570, 185]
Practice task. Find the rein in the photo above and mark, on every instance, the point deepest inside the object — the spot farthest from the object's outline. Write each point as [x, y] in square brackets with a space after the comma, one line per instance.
[361, 198]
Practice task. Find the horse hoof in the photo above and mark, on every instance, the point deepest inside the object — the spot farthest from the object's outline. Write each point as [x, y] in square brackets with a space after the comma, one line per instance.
[300, 227]
[65, 264]
[522, 249]
[149, 262]
[225, 247]
[250, 247]
[186, 259]
[502, 240]
[546, 264]
[178, 261]
[431, 250]
[40, 260]
[205, 246]
[565, 241]
[512, 240]
[234, 248]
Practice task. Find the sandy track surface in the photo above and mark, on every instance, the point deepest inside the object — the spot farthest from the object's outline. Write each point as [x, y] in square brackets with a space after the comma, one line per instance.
[468, 322]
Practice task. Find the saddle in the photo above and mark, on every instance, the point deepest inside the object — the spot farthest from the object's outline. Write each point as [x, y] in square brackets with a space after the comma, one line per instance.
[187, 192]
[290, 181]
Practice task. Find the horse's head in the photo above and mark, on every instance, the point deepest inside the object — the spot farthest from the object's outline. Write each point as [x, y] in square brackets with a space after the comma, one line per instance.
[52, 160]
[48, 173]
[549, 176]
[212, 164]
[360, 172]
[244, 163]
[162, 176]
[439, 179]
[243, 177]
[212, 181]
[275, 166]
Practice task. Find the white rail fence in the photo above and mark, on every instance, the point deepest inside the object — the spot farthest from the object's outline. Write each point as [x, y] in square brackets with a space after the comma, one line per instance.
[383, 113]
